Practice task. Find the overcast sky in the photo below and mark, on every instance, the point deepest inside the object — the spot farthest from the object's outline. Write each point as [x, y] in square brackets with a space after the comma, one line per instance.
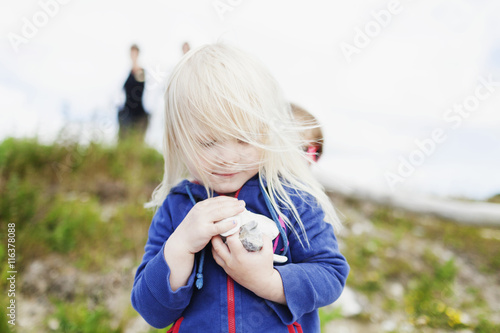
[378, 74]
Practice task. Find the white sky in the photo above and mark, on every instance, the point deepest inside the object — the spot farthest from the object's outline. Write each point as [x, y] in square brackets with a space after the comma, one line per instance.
[394, 91]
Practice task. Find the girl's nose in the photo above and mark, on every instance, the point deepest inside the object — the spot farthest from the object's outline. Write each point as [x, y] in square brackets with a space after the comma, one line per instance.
[228, 152]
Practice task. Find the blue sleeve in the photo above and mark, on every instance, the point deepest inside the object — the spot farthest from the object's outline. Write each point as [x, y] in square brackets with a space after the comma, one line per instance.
[316, 275]
[152, 297]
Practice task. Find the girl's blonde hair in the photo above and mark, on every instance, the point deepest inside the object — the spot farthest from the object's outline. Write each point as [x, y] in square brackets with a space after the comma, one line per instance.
[218, 92]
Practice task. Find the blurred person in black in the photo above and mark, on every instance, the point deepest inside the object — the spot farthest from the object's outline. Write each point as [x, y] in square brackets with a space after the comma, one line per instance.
[132, 117]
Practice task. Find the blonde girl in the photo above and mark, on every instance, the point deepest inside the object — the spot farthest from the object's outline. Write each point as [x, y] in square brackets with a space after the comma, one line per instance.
[230, 131]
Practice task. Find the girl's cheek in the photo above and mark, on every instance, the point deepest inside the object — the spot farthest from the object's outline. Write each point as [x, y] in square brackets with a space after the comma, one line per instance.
[256, 153]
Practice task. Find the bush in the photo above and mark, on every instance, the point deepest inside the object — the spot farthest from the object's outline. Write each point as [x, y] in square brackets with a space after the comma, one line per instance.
[69, 223]
[78, 318]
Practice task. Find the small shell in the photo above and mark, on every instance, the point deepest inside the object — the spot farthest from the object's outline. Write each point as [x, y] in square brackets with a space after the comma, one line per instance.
[265, 224]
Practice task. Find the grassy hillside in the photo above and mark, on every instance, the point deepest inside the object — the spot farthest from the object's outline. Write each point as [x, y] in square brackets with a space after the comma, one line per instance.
[82, 204]
[417, 273]
[81, 228]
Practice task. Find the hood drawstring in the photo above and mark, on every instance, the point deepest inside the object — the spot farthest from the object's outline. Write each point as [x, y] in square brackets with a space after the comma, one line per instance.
[199, 275]
[276, 220]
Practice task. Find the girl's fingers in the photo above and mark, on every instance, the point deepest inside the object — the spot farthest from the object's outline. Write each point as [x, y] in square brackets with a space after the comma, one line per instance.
[220, 198]
[224, 210]
[234, 244]
[219, 208]
[217, 258]
[217, 202]
[220, 251]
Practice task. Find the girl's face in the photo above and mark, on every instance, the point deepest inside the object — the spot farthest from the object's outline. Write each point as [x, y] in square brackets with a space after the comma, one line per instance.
[226, 165]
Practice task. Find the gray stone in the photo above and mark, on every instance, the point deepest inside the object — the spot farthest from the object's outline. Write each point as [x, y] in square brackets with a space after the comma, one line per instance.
[251, 236]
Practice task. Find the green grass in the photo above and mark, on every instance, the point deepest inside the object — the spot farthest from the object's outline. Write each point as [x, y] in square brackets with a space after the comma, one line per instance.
[327, 316]
[468, 241]
[398, 250]
[80, 318]
[495, 199]
[429, 301]
[486, 326]
[5, 327]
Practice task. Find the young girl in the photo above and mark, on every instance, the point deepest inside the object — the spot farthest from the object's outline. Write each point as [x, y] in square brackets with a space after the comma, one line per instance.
[228, 127]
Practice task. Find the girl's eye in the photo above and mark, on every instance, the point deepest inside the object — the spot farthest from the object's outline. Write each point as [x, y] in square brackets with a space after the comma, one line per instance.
[208, 144]
[242, 142]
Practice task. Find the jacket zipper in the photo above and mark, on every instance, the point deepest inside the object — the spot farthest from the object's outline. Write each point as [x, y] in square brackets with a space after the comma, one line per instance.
[230, 305]
[231, 316]
[176, 326]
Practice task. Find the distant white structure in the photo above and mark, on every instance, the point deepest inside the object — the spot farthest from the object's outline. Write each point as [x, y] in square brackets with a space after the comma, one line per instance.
[464, 212]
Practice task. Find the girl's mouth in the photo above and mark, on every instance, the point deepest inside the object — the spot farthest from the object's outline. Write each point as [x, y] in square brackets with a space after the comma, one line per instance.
[226, 175]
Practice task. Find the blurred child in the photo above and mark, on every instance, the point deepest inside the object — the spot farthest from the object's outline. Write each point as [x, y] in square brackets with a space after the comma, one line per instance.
[311, 133]
[228, 127]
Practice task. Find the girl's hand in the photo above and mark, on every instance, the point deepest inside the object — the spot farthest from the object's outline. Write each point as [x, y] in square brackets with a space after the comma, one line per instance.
[200, 224]
[252, 270]
[194, 232]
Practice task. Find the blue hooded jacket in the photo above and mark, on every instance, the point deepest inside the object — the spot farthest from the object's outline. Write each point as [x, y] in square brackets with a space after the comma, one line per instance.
[313, 276]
